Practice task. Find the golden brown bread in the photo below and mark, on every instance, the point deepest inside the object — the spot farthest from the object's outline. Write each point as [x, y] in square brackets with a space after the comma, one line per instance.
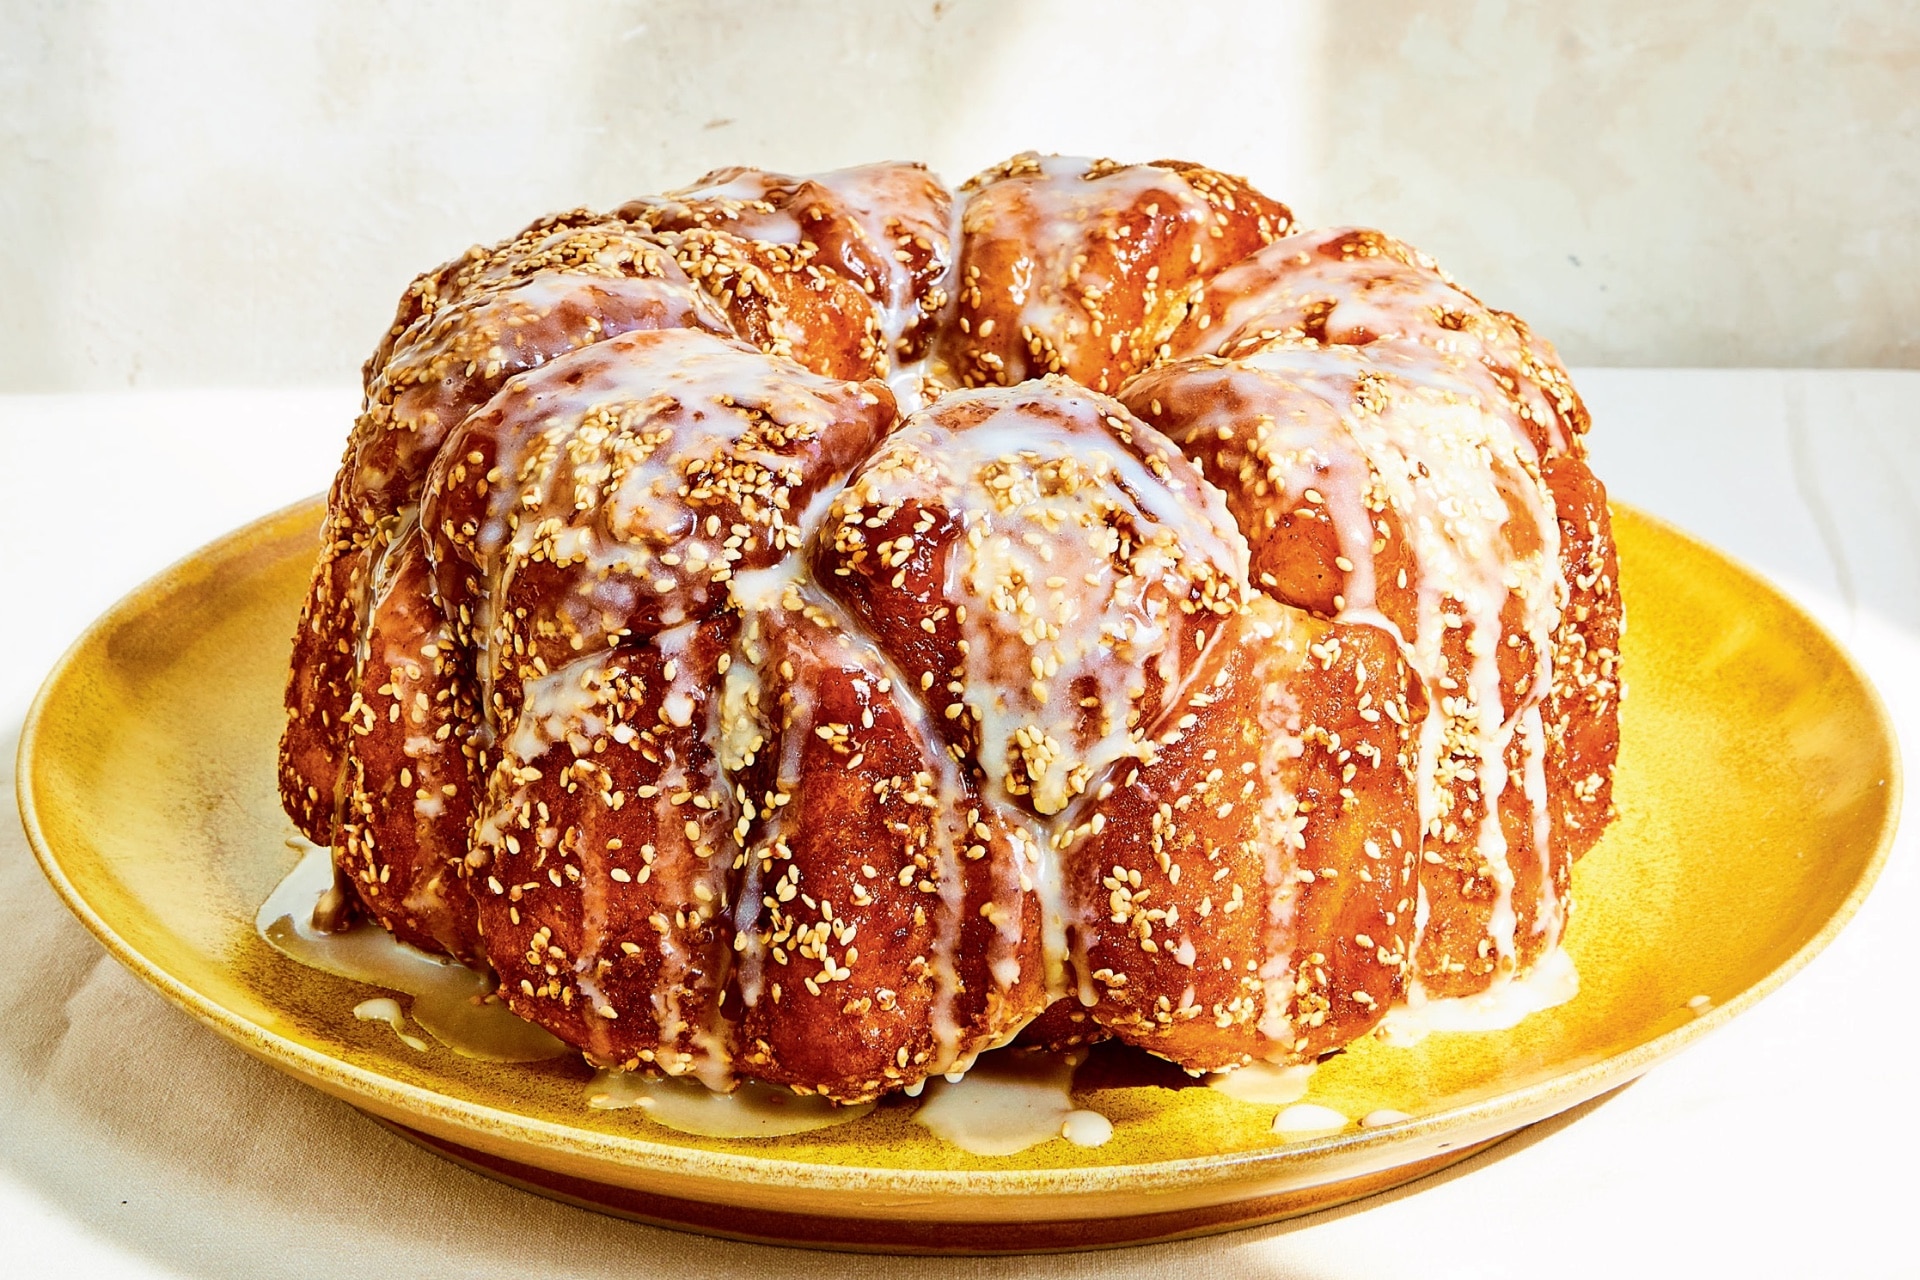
[412, 769]
[1248, 895]
[565, 282]
[898, 934]
[618, 492]
[603, 859]
[843, 272]
[1370, 488]
[1354, 404]
[694, 647]
[1583, 709]
[1084, 268]
[1354, 286]
[1035, 543]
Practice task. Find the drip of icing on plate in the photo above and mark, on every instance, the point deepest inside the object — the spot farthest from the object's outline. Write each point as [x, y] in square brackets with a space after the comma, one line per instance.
[1552, 981]
[1273, 1084]
[386, 1009]
[1010, 1101]
[451, 1002]
[1309, 1119]
[753, 1110]
[1264, 1082]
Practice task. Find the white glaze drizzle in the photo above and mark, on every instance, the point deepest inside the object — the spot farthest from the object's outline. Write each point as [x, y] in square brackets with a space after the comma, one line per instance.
[787, 588]
[1100, 624]
[1041, 581]
[495, 322]
[1437, 457]
[426, 898]
[1552, 981]
[562, 706]
[885, 202]
[1382, 1117]
[1010, 1101]
[1272, 1083]
[1550, 917]
[1085, 1128]
[1371, 298]
[752, 1110]
[707, 1052]
[1064, 202]
[451, 1002]
[877, 198]
[1285, 826]
[636, 414]
[1309, 1119]
[570, 706]
[386, 1009]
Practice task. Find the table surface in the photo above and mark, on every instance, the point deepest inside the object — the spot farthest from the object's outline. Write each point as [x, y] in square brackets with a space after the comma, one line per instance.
[135, 1143]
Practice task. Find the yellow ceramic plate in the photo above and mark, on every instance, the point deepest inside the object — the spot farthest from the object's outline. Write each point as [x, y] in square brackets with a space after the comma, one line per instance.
[1757, 794]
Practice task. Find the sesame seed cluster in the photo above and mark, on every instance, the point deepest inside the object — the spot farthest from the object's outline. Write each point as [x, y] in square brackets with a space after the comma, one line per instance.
[821, 629]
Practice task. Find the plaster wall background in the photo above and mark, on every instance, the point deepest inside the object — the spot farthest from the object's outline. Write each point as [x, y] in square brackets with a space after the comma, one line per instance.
[226, 193]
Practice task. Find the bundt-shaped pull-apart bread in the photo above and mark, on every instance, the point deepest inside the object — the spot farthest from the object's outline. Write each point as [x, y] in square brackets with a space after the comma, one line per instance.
[821, 629]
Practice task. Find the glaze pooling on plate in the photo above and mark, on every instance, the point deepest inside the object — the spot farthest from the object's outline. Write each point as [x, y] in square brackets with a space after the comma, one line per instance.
[1553, 981]
[1265, 1082]
[454, 1004]
[1308, 1120]
[386, 1009]
[750, 1111]
[1010, 1101]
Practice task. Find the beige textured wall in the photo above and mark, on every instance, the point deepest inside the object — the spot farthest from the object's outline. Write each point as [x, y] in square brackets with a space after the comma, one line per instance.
[1666, 182]
[233, 193]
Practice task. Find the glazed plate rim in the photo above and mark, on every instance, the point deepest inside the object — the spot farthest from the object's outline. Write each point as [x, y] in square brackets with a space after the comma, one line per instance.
[1475, 1121]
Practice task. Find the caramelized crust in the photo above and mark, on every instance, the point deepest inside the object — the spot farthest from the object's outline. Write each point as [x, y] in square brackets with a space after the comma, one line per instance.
[1083, 268]
[1372, 486]
[779, 298]
[570, 290]
[1247, 894]
[898, 933]
[411, 769]
[1044, 567]
[461, 331]
[320, 685]
[1583, 709]
[1063, 1025]
[1352, 286]
[604, 852]
[1360, 289]
[843, 272]
[618, 491]
[478, 269]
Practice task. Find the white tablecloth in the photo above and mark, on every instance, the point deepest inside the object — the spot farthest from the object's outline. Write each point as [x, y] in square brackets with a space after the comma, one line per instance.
[135, 1143]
